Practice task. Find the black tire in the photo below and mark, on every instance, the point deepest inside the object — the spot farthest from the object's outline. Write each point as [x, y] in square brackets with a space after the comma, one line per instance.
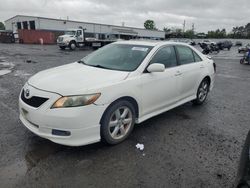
[202, 92]
[243, 169]
[242, 61]
[72, 45]
[62, 47]
[106, 130]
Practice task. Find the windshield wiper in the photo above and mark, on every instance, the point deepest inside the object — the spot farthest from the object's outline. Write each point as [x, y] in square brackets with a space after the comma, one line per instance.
[99, 66]
[81, 61]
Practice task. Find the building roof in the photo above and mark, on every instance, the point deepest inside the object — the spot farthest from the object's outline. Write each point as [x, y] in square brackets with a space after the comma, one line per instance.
[38, 17]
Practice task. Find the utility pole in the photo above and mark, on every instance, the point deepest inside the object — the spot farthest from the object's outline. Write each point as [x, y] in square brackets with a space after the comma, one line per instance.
[193, 30]
[193, 27]
[184, 26]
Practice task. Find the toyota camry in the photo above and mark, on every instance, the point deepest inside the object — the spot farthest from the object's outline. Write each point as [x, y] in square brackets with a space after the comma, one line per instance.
[103, 95]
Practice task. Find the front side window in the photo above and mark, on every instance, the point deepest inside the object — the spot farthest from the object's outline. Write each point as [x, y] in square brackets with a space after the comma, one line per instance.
[165, 56]
[79, 32]
[185, 55]
[122, 57]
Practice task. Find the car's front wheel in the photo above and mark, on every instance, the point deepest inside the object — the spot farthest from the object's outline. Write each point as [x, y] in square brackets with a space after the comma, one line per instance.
[202, 92]
[117, 122]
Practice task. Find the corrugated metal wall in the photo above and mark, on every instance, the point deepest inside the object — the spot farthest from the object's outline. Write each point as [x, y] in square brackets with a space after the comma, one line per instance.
[35, 36]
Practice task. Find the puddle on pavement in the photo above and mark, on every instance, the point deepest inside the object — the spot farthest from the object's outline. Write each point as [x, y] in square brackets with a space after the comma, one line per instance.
[5, 67]
[34, 156]
[22, 74]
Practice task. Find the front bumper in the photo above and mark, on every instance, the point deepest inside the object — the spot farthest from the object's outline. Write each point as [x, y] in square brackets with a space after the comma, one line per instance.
[63, 44]
[83, 123]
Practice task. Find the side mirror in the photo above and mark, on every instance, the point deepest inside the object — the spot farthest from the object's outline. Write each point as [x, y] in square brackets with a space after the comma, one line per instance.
[156, 67]
[209, 57]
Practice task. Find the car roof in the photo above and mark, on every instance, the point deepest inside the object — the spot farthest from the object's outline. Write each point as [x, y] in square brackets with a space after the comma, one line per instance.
[152, 43]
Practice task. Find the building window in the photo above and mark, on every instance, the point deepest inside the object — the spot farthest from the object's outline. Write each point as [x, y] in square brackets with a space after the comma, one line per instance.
[19, 25]
[25, 25]
[32, 25]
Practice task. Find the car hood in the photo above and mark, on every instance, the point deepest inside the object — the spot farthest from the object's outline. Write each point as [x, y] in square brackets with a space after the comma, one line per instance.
[75, 79]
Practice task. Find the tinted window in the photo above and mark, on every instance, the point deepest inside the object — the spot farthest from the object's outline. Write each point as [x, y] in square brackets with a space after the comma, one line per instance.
[185, 55]
[25, 25]
[197, 57]
[166, 56]
[32, 25]
[19, 26]
[79, 32]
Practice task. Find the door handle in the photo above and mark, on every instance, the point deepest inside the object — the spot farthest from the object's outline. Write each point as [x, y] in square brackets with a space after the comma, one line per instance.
[178, 73]
[202, 66]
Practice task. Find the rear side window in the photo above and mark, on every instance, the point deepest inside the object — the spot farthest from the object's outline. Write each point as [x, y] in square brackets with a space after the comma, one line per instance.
[185, 55]
[166, 56]
[197, 57]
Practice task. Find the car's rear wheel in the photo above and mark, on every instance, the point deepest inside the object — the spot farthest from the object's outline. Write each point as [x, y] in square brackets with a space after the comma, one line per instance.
[202, 92]
[117, 122]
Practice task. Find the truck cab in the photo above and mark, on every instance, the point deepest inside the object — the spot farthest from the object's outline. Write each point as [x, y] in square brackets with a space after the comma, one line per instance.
[72, 38]
[75, 38]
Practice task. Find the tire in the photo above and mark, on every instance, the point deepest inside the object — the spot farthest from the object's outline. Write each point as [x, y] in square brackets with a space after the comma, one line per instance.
[202, 92]
[117, 122]
[242, 61]
[62, 47]
[72, 45]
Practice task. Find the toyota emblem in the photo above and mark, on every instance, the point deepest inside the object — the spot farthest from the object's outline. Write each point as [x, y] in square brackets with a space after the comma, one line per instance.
[27, 93]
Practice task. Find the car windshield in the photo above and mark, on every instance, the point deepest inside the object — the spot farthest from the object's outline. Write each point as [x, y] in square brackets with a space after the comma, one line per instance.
[122, 57]
[70, 32]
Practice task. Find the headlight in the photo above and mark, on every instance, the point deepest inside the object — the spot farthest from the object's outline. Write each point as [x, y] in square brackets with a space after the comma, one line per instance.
[74, 101]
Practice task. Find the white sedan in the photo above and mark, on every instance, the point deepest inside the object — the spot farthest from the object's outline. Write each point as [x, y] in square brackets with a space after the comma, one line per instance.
[103, 95]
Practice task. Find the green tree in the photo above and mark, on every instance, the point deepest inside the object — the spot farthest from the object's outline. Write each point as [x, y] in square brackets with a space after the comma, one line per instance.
[2, 27]
[189, 34]
[150, 24]
[166, 29]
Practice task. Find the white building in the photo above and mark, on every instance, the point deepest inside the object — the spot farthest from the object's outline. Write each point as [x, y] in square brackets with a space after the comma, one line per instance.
[92, 29]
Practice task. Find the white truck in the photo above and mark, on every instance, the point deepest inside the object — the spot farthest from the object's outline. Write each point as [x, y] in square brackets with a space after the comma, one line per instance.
[75, 38]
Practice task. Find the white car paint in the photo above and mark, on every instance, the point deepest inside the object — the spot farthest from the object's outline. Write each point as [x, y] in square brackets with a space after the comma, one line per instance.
[154, 93]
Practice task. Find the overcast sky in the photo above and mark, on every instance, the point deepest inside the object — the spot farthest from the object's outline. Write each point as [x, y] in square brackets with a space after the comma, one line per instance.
[205, 14]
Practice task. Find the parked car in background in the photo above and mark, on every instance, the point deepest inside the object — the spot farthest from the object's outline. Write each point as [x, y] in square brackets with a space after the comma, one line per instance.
[244, 49]
[225, 45]
[207, 42]
[104, 94]
[238, 43]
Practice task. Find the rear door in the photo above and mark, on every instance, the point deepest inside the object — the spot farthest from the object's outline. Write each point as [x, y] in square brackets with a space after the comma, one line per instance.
[191, 66]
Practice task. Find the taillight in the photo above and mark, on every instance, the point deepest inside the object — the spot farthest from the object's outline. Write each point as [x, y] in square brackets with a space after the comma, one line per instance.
[214, 67]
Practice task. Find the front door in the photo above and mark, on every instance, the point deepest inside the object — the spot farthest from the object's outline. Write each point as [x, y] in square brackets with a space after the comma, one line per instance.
[79, 36]
[161, 89]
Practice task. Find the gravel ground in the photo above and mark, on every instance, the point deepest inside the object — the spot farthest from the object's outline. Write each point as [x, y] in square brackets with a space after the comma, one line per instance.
[188, 146]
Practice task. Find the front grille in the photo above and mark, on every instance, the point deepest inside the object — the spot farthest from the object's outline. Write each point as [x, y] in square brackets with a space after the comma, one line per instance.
[33, 101]
[60, 39]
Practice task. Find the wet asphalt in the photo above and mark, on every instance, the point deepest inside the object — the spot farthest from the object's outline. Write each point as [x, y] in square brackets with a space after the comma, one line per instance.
[188, 146]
